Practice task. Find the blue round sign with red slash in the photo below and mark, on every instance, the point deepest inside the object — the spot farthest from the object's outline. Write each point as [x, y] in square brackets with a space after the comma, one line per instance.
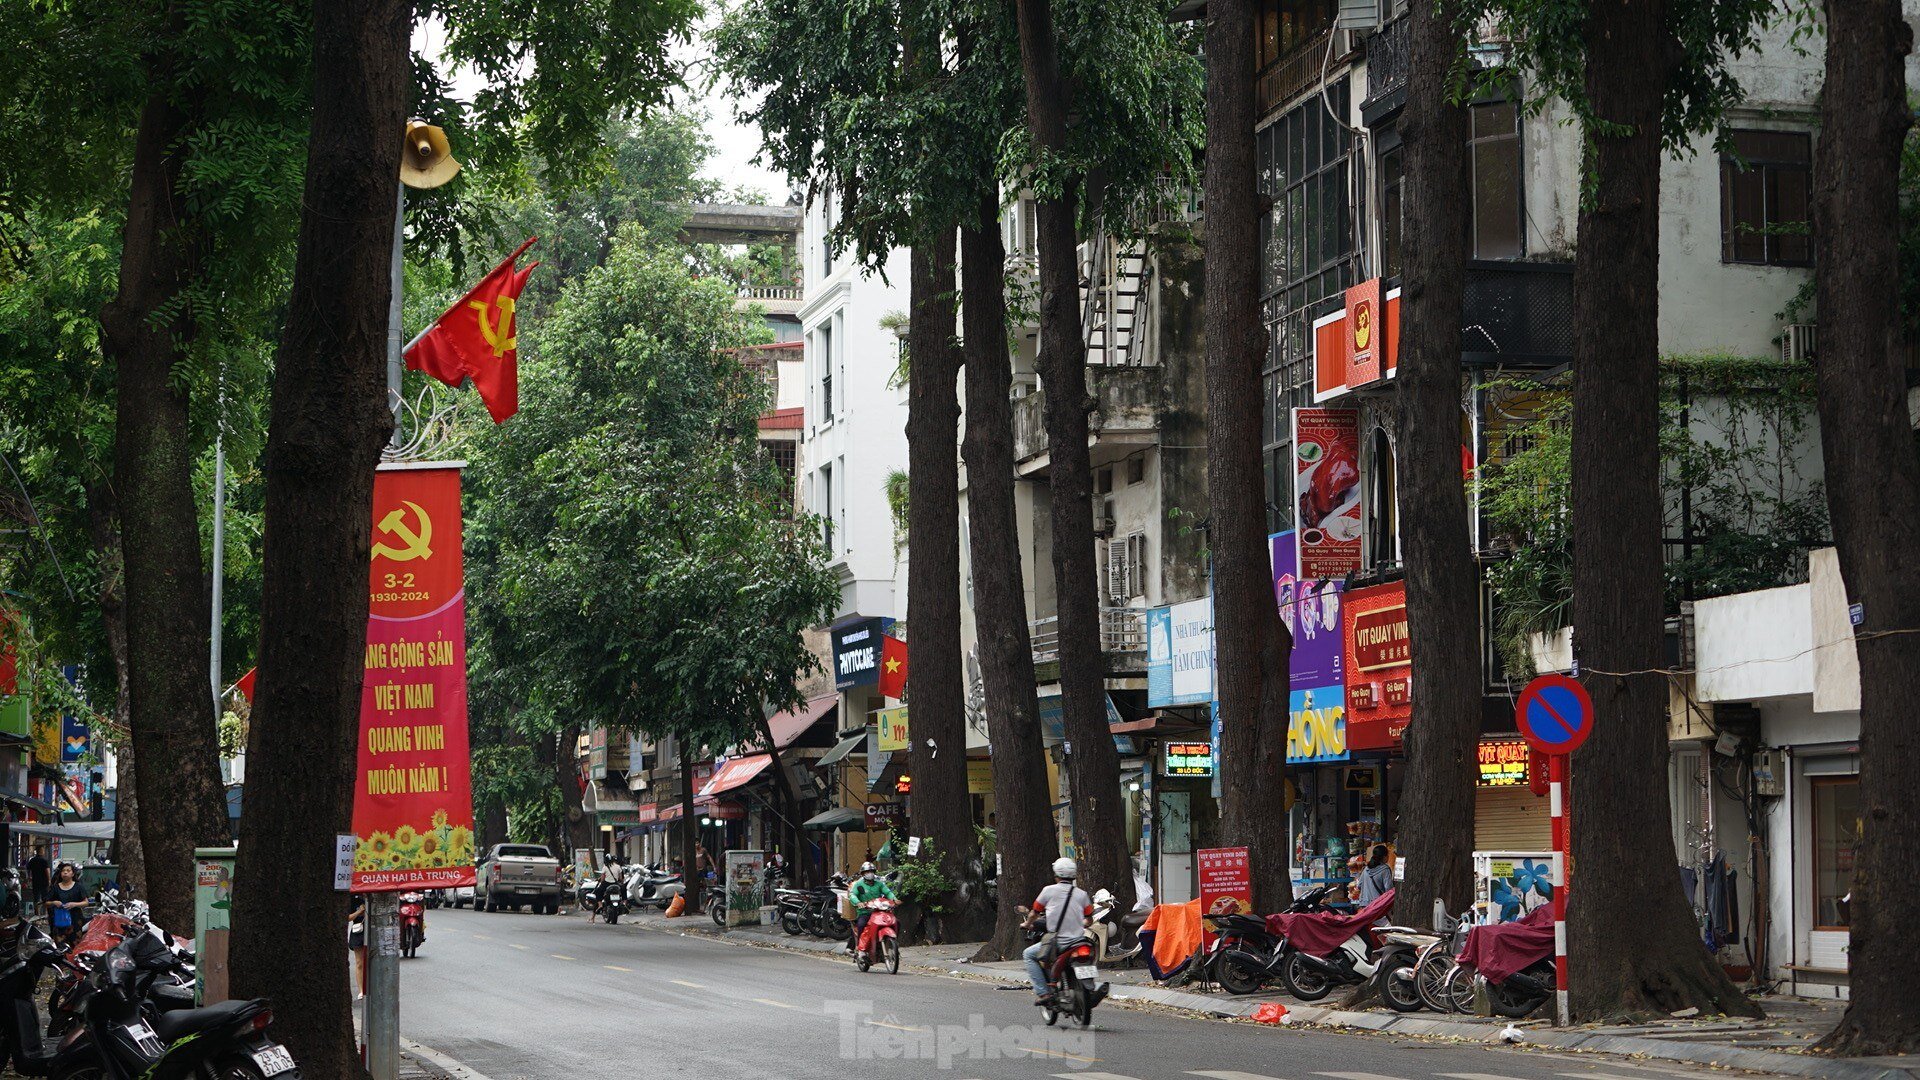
[1554, 714]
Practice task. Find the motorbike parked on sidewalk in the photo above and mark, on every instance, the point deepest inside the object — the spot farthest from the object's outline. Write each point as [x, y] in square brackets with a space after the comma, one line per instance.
[1110, 926]
[792, 905]
[170, 992]
[1325, 950]
[413, 923]
[612, 904]
[124, 1038]
[653, 886]
[823, 917]
[1513, 961]
[879, 944]
[1249, 951]
[21, 1044]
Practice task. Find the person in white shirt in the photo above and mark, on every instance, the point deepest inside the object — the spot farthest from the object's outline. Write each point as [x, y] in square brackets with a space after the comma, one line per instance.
[1062, 909]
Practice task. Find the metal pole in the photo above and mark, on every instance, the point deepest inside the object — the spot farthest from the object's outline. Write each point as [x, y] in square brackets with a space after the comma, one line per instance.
[383, 985]
[219, 554]
[393, 313]
[1557, 793]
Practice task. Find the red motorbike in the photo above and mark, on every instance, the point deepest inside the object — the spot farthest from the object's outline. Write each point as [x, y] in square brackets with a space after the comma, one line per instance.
[880, 938]
[1074, 980]
[413, 922]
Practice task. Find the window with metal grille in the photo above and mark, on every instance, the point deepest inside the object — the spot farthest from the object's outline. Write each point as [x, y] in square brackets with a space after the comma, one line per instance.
[785, 455]
[1765, 184]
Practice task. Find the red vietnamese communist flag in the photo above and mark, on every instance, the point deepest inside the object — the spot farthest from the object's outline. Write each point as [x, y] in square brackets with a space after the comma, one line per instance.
[245, 684]
[893, 667]
[477, 338]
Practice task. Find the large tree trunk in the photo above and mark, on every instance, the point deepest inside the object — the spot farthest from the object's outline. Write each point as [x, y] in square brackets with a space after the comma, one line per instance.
[1022, 815]
[689, 828]
[576, 830]
[1093, 764]
[1443, 610]
[328, 422]
[171, 708]
[942, 809]
[786, 807]
[104, 528]
[1873, 495]
[1252, 645]
[1635, 950]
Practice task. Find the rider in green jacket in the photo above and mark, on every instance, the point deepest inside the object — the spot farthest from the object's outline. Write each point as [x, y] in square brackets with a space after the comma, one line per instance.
[866, 890]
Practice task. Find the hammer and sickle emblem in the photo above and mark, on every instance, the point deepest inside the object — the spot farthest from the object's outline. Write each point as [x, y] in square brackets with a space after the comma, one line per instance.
[413, 545]
[499, 335]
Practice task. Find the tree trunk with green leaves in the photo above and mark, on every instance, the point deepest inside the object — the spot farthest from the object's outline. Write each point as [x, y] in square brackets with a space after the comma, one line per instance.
[1873, 490]
[1635, 949]
[146, 331]
[1253, 647]
[327, 424]
[691, 874]
[942, 809]
[1093, 764]
[576, 828]
[1022, 812]
[1443, 610]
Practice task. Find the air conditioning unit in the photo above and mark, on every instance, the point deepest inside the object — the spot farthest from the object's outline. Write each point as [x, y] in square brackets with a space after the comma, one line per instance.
[1360, 15]
[1798, 342]
[1102, 515]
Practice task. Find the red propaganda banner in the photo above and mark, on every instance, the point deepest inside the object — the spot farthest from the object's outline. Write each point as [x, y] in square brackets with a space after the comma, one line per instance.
[413, 793]
[1326, 473]
[1226, 882]
[1379, 665]
[1358, 345]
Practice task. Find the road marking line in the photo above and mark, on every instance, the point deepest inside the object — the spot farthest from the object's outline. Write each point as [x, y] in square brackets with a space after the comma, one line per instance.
[1476, 1076]
[683, 982]
[557, 956]
[616, 967]
[894, 1027]
[484, 937]
[1358, 1076]
[1229, 1074]
[1602, 1076]
[775, 1004]
[434, 1057]
[1074, 1057]
[511, 945]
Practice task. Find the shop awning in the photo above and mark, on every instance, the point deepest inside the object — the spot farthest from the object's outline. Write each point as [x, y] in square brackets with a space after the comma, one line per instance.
[96, 832]
[842, 749]
[735, 773]
[790, 725]
[29, 802]
[647, 814]
[843, 818]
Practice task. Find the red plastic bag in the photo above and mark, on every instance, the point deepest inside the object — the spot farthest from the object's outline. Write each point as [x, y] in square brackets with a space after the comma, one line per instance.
[1271, 1012]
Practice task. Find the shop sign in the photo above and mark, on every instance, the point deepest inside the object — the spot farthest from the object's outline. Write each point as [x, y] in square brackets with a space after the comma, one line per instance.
[412, 799]
[979, 776]
[1316, 674]
[1327, 504]
[1180, 654]
[1188, 759]
[1226, 881]
[882, 816]
[1503, 763]
[856, 653]
[1379, 666]
[1316, 726]
[1358, 345]
[892, 728]
[1363, 780]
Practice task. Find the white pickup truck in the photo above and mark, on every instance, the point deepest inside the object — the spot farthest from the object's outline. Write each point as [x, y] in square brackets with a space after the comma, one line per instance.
[515, 876]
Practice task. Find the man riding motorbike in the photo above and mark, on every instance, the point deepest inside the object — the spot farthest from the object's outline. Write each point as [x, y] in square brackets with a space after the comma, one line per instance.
[1062, 909]
[865, 891]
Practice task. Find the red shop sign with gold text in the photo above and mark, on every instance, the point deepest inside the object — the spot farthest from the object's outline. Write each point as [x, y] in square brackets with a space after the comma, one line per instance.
[1373, 622]
[413, 793]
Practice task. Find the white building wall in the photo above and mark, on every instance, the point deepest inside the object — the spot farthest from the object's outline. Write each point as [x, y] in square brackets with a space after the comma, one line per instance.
[1754, 645]
[858, 437]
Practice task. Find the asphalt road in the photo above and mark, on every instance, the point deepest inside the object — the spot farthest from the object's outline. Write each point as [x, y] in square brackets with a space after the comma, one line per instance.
[515, 996]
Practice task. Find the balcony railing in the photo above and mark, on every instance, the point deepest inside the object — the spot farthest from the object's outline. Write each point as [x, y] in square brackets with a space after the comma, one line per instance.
[1122, 630]
[1518, 313]
[772, 292]
[1389, 58]
[1126, 402]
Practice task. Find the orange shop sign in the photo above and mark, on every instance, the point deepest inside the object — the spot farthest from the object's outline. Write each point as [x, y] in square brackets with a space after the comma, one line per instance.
[1359, 345]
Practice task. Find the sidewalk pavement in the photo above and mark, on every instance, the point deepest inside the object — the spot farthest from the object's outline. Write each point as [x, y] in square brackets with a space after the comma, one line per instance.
[1776, 1044]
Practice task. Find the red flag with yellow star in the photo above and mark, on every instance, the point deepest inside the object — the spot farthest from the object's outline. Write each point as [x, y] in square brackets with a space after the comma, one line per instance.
[476, 339]
[893, 667]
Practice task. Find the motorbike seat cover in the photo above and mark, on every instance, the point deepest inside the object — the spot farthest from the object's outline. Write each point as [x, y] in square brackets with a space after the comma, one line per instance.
[1318, 933]
[171, 1026]
[1498, 950]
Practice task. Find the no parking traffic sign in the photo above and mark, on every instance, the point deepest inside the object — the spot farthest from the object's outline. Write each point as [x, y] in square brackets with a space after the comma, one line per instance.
[1554, 714]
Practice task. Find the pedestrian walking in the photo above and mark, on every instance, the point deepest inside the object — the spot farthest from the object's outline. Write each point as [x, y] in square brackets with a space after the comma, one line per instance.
[66, 903]
[357, 944]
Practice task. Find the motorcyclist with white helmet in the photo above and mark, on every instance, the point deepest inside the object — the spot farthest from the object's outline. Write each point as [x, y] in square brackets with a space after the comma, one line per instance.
[865, 891]
[1062, 910]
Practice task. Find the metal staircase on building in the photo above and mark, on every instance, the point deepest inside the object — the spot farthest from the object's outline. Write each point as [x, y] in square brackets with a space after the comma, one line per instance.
[1117, 279]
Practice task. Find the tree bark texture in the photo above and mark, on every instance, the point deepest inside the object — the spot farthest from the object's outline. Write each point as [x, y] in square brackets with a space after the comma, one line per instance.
[1443, 609]
[326, 425]
[1023, 819]
[695, 881]
[1093, 765]
[170, 704]
[104, 528]
[576, 829]
[1634, 947]
[1252, 645]
[1873, 495]
[942, 810]
[787, 801]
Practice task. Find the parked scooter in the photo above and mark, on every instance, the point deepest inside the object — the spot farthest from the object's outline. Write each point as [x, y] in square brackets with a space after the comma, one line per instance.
[879, 944]
[127, 1040]
[653, 886]
[1250, 951]
[823, 915]
[1109, 927]
[792, 904]
[1513, 961]
[413, 923]
[1325, 950]
[21, 1044]
[170, 992]
[612, 904]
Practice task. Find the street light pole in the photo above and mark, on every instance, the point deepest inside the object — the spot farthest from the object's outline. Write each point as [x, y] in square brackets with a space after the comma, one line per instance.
[393, 313]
